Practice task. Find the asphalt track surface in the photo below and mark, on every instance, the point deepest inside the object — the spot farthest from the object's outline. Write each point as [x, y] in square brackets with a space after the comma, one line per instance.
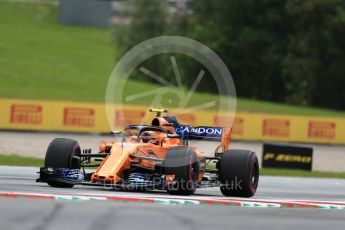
[24, 213]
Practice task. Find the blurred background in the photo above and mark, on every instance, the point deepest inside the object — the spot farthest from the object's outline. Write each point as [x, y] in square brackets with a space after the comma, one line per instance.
[288, 51]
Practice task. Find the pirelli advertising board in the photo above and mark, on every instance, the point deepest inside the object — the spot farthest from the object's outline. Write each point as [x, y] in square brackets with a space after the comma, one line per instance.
[91, 117]
[287, 156]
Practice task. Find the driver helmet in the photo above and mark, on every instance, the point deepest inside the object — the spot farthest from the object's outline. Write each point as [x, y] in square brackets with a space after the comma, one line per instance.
[149, 137]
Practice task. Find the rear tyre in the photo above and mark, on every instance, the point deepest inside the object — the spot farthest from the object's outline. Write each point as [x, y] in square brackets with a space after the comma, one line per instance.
[239, 173]
[62, 153]
[182, 162]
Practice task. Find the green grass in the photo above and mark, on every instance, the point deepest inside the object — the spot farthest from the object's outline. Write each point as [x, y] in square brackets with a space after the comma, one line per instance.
[247, 105]
[15, 160]
[300, 173]
[41, 59]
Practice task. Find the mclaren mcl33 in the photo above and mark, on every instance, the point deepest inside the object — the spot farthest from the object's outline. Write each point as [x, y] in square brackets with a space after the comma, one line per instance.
[155, 156]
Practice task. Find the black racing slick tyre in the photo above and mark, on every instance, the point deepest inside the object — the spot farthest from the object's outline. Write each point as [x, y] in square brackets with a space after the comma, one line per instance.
[62, 153]
[239, 173]
[182, 162]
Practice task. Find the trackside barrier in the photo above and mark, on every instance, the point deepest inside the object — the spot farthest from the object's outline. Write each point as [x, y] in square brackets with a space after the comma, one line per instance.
[288, 156]
[65, 116]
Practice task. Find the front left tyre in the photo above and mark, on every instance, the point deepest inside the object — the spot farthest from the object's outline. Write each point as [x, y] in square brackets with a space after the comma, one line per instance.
[62, 153]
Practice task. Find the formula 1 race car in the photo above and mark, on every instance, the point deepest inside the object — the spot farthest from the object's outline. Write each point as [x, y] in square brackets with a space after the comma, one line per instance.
[156, 156]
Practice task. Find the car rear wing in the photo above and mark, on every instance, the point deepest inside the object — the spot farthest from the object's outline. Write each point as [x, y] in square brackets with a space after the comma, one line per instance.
[206, 133]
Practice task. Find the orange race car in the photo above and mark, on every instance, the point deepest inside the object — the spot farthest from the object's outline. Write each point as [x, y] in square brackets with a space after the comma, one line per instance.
[156, 156]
